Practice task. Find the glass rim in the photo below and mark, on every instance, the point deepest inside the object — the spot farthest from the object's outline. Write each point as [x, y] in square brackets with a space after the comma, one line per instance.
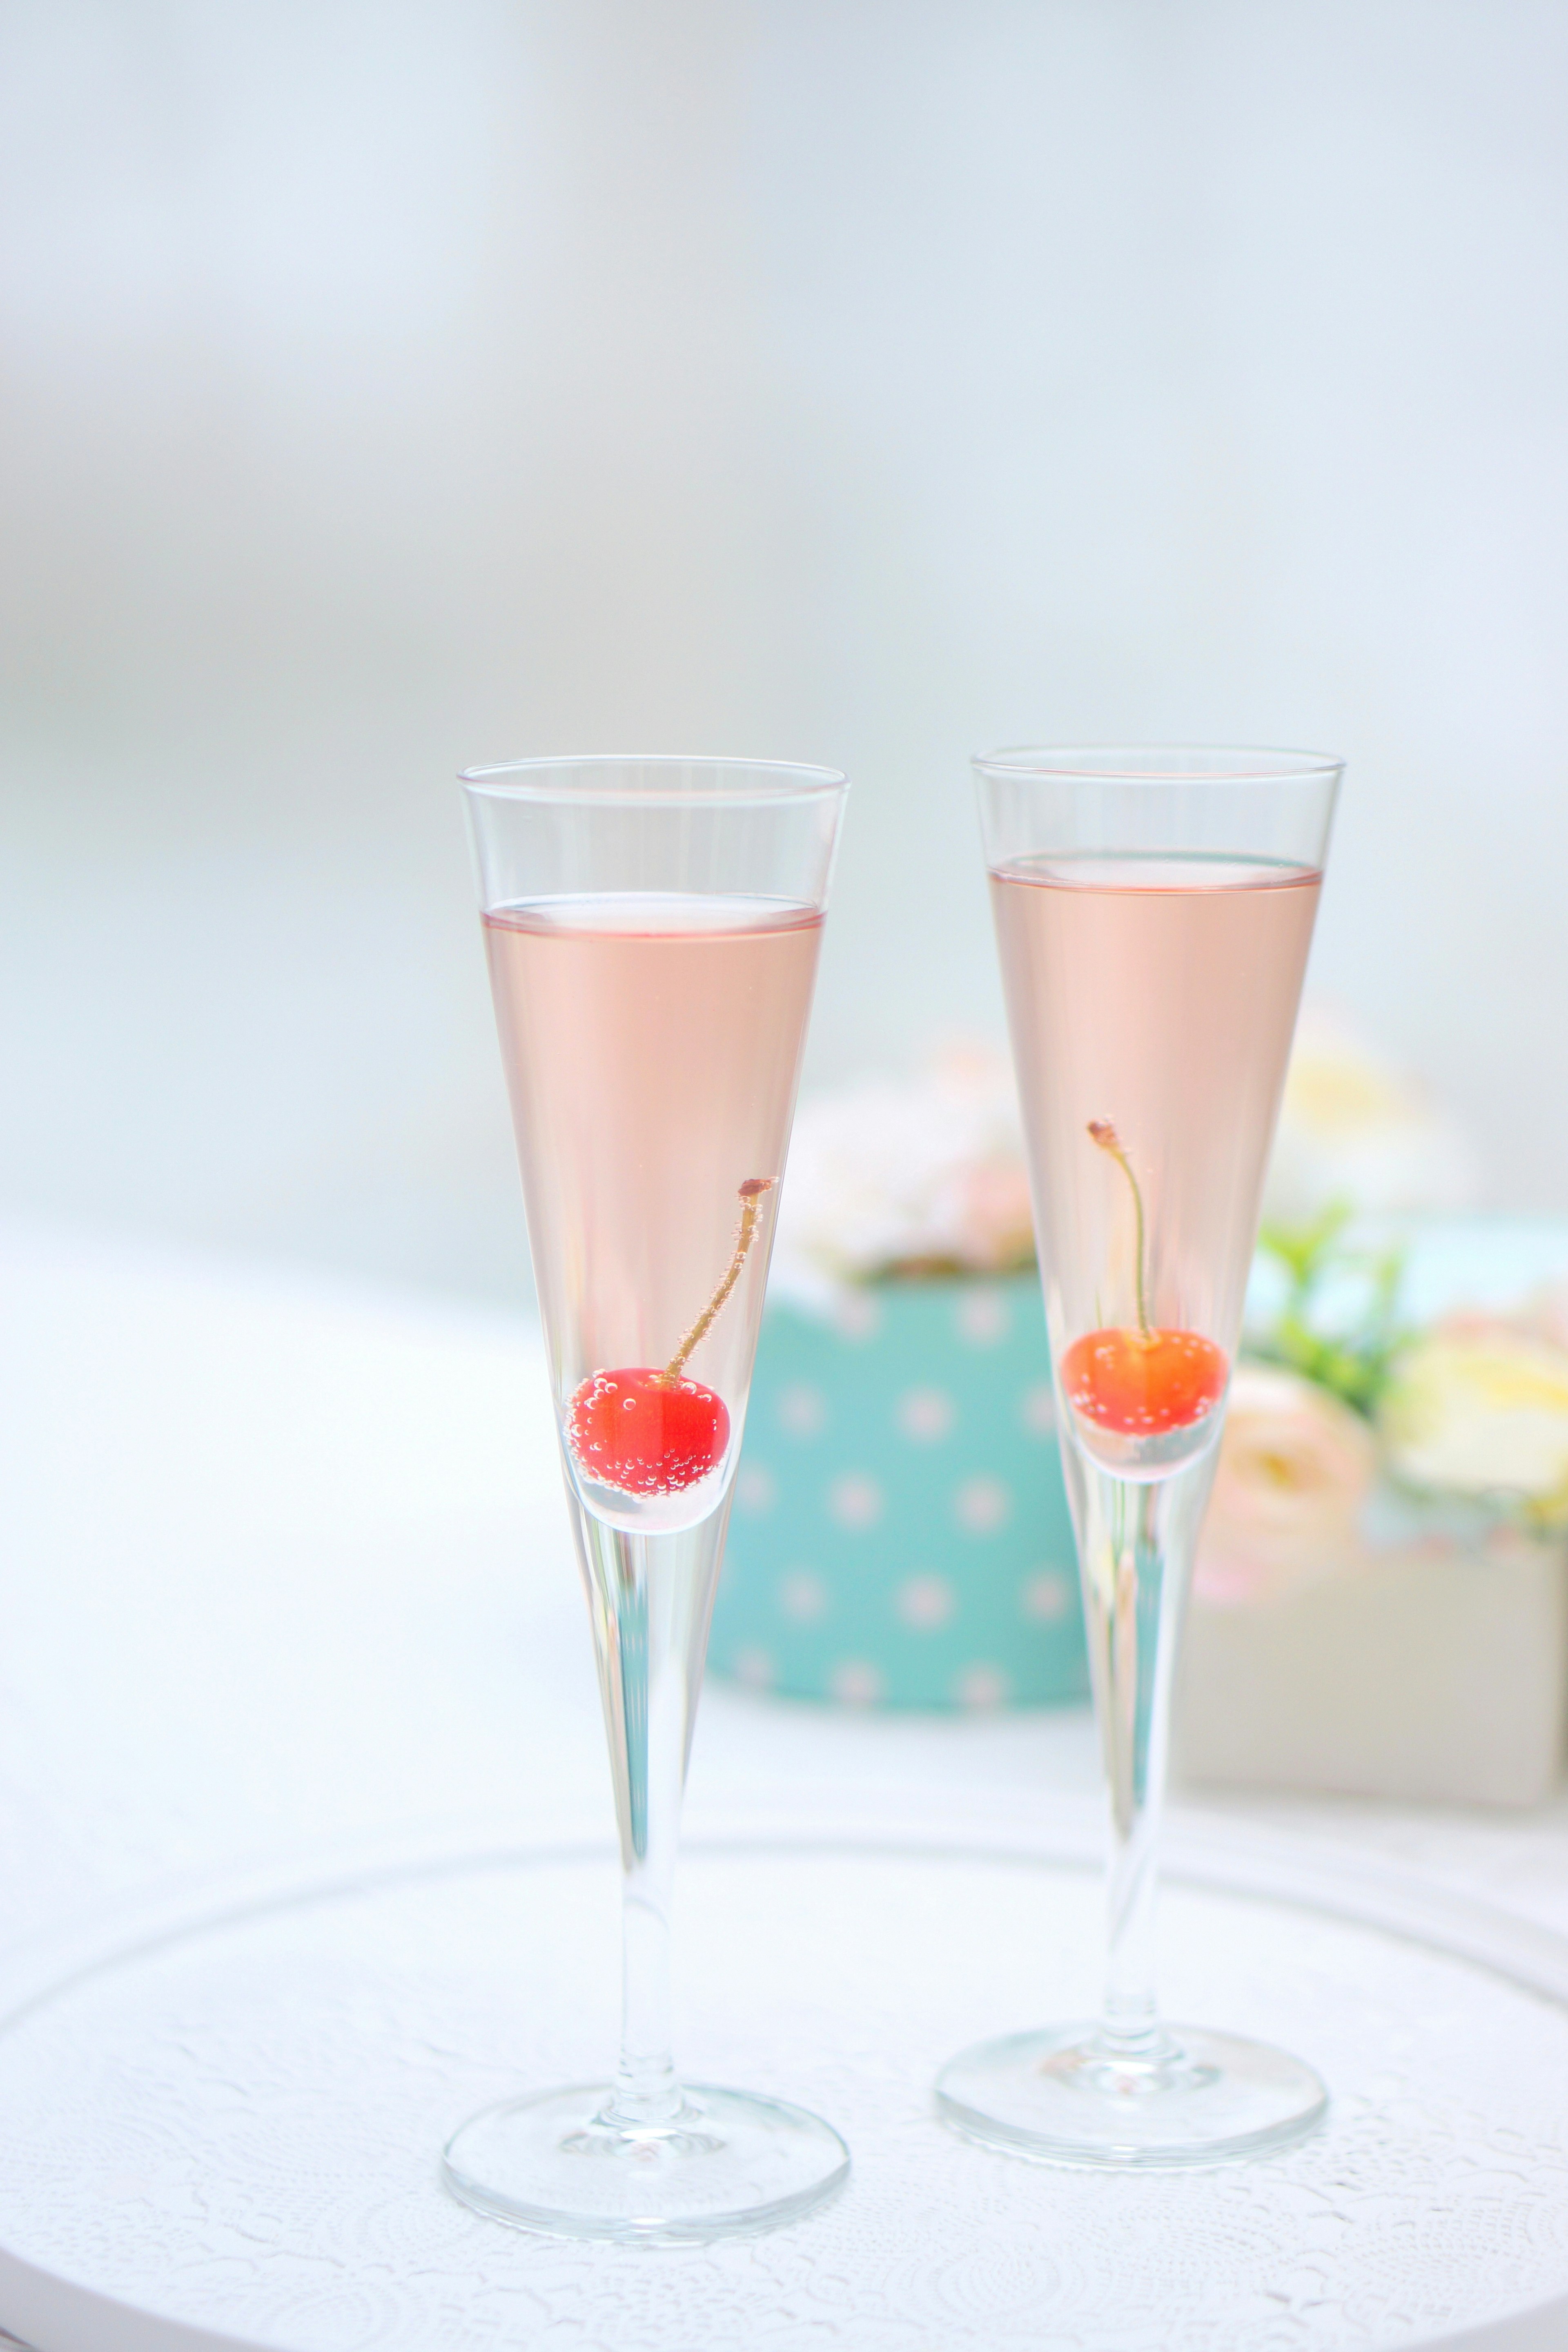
[1157, 763]
[569, 777]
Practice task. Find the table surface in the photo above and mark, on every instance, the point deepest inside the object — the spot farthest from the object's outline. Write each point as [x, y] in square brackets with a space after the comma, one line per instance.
[286, 1570]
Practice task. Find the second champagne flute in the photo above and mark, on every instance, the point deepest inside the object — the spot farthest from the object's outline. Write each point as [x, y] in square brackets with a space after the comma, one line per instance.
[652, 927]
[1153, 912]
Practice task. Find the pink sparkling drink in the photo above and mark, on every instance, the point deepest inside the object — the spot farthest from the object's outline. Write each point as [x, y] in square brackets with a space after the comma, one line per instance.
[652, 1047]
[1152, 1001]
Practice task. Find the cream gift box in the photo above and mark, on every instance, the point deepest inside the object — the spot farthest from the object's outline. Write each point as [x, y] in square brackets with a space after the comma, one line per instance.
[1347, 1635]
[1437, 1673]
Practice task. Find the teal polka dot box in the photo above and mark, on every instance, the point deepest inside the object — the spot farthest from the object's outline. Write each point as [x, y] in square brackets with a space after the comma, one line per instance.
[900, 1535]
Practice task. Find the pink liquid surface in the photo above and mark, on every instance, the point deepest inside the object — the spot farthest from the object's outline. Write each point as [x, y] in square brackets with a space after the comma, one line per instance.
[1158, 994]
[652, 1049]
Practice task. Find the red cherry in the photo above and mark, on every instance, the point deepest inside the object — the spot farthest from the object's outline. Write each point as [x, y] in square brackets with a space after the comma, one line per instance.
[646, 1434]
[1143, 1383]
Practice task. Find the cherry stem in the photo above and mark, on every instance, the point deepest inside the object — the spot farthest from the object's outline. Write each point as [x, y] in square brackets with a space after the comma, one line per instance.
[751, 1193]
[1105, 1135]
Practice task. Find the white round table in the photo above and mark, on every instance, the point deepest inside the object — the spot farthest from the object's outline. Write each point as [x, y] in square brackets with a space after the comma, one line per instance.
[298, 1694]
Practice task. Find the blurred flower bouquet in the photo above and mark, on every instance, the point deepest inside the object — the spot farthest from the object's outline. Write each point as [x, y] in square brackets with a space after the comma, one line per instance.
[910, 1180]
[1348, 1431]
[1380, 1604]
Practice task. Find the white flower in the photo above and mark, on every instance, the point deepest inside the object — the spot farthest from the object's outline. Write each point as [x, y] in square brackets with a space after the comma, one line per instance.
[1354, 1129]
[1542, 1314]
[1479, 1408]
[923, 1171]
[1295, 1468]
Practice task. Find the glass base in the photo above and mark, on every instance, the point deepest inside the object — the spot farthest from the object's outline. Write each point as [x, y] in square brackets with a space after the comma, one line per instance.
[728, 2164]
[1070, 2096]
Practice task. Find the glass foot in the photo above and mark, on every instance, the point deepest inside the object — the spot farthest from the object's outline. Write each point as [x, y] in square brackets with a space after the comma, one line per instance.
[1068, 2097]
[726, 2164]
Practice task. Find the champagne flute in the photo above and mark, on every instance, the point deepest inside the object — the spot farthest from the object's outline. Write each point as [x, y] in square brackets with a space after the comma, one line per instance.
[652, 928]
[1153, 912]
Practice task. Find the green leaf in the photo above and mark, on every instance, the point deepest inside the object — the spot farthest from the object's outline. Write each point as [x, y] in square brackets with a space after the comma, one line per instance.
[1353, 1361]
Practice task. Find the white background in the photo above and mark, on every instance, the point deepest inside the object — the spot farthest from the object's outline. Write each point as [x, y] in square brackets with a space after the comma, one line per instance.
[385, 388]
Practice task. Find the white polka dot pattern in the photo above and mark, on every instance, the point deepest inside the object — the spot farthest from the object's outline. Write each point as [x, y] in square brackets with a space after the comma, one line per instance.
[802, 1410]
[1048, 1597]
[854, 1501]
[756, 1490]
[983, 1314]
[926, 1602]
[981, 1686]
[1040, 1410]
[804, 1597]
[981, 1505]
[857, 1316]
[901, 1501]
[926, 1415]
[854, 1683]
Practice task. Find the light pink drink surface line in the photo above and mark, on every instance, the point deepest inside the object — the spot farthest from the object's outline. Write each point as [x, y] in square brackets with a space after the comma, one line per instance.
[1160, 994]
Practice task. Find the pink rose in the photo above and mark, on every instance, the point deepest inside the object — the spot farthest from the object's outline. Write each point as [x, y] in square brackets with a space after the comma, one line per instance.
[1295, 1468]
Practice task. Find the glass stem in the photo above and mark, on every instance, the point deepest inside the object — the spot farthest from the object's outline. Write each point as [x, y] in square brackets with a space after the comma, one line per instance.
[1135, 1545]
[649, 1599]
